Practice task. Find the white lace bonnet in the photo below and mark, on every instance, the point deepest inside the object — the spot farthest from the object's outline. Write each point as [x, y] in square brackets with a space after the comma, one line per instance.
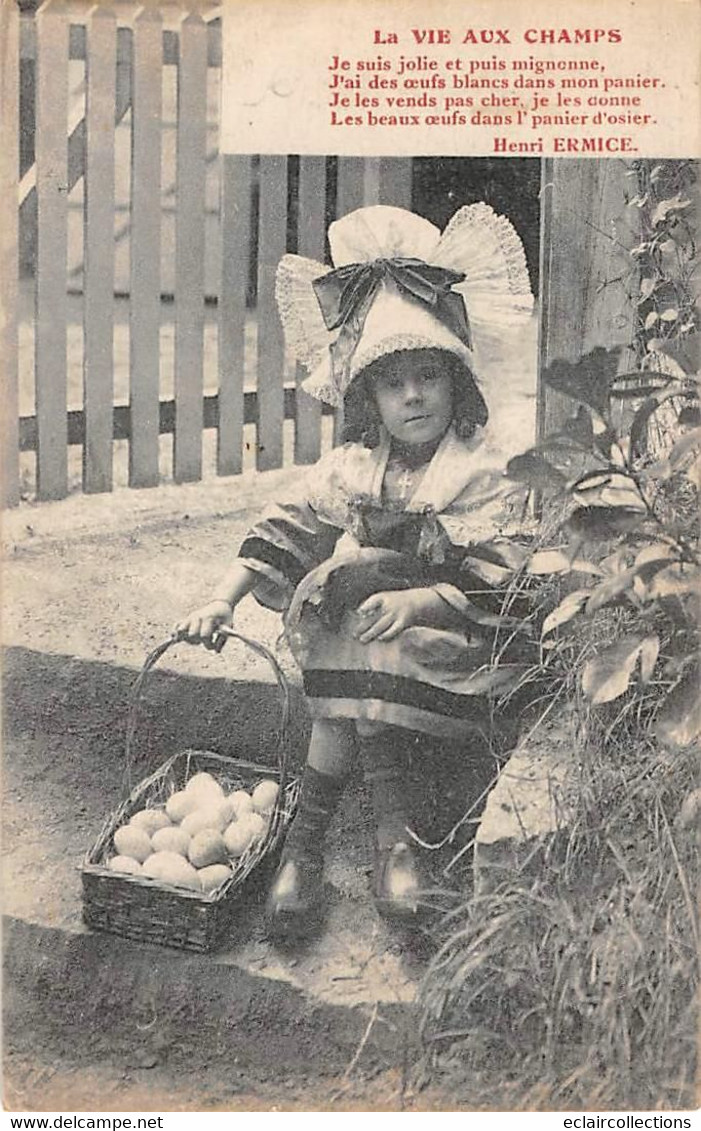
[483, 261]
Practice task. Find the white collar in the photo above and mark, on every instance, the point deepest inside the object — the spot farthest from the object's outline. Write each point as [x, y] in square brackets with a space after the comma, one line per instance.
[455, 464]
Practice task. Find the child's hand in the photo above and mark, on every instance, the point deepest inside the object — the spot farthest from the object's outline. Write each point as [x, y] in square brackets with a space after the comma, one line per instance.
[201, 626]
[385, 615]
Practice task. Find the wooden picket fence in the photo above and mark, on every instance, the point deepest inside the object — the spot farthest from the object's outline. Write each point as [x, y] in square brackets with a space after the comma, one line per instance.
[261, 211]
[201, 265]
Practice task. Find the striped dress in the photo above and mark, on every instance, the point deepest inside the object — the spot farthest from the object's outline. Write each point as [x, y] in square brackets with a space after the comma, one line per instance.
[362, 525]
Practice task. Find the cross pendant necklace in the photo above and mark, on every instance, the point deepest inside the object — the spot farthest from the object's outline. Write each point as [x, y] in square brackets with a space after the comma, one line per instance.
[404, 483]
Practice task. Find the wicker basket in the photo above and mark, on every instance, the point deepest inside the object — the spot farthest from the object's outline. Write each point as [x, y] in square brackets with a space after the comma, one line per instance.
[149, 910]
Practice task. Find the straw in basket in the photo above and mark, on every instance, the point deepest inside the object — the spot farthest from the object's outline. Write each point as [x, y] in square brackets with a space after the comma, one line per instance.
[139, 907]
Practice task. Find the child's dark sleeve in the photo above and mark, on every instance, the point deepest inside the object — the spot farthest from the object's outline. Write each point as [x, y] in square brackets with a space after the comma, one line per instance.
[288, 542]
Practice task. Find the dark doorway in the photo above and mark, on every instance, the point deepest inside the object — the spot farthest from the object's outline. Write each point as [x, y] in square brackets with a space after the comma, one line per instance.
[441, 185]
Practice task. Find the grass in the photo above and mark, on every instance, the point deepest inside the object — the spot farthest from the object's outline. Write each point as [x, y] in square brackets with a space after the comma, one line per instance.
[577, 987]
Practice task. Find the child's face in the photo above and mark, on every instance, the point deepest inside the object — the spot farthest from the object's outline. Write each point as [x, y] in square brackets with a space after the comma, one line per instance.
[414, 396]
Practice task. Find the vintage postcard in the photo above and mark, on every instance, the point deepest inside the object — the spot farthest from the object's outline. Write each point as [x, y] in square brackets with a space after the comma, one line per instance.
[351, 451]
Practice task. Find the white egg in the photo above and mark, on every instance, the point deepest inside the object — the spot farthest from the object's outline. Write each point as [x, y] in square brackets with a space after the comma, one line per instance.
[150, 820]
[241, 802]
[264, 796]
[125, 864]
[172, 839]
[205, 787]
[132, 841]
[238, 836]
[172, 868]
[180, 804]
[200, 819]
[213, 876]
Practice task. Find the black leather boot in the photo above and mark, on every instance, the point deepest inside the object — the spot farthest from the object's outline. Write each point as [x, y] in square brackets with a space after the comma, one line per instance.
[295, 903]
[398, 879]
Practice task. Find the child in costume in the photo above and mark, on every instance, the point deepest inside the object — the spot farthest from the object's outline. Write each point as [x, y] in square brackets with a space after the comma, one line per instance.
[384, 603]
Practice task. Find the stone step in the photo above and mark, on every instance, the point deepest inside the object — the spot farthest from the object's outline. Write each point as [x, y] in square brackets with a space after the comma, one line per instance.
[529, 805]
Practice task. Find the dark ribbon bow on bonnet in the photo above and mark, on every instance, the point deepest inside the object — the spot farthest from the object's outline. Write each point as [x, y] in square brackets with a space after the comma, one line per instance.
[345, 296]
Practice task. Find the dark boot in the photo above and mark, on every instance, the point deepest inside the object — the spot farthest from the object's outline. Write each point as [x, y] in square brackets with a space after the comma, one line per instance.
[398, 880]
[296, 898]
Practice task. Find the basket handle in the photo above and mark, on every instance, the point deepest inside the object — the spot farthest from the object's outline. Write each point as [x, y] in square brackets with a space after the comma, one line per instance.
[223, 632]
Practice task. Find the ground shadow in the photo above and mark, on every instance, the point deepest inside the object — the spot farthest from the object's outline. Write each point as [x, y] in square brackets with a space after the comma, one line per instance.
[64, 728]
[80, 707]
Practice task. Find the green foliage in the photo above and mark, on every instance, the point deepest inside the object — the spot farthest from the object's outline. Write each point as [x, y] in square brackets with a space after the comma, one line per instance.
[573, 984]
[626, 529]
[665, 290]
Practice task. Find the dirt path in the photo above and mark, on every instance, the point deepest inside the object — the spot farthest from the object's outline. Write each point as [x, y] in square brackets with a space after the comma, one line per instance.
[91, 585]
[59, 1087]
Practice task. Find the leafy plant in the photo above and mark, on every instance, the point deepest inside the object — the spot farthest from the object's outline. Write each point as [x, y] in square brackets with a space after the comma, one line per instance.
[574, 984]
[628, 535]
[663, 293]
